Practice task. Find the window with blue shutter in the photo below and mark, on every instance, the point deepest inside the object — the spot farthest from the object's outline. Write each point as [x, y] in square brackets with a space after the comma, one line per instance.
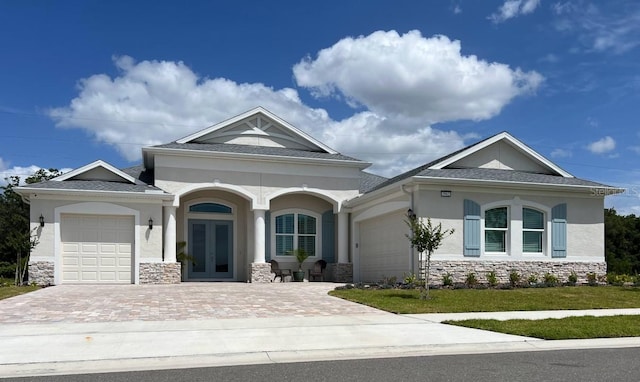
[471, 228]
[559, 230]
[328, 236]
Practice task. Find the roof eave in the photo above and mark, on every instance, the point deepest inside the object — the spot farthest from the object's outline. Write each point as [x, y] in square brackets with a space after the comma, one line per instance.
[514, 184]
[150, 194]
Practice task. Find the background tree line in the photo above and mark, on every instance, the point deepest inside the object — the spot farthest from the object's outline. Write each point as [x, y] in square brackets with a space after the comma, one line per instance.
[622, 242]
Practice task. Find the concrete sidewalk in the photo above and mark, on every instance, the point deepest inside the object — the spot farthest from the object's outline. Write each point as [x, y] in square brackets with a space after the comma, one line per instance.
[70, 348]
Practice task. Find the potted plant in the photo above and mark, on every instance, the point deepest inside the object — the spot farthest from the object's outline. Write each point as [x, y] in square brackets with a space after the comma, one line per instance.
[301, 255]
[183, 258]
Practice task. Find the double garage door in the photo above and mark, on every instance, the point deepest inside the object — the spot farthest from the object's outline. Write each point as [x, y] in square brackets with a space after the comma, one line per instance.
[384, 248]
[97, 249]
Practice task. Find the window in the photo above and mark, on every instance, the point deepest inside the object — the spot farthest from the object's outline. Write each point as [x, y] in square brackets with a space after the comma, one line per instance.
[495, 229]
[532, 230]
[215, 208]
[293, 231]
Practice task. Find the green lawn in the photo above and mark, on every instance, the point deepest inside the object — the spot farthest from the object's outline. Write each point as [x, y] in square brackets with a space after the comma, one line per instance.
[492, 300]
[563, 328]
[7, 289]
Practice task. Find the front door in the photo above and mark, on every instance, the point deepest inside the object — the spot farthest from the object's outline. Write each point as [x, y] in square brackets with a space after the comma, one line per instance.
[211, 245]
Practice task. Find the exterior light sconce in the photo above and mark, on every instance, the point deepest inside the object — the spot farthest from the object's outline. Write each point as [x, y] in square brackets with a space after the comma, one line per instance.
[150, 223]
[41, 220]
[411, 215]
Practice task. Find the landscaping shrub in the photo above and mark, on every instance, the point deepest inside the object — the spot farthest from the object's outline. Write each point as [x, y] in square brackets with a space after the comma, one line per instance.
[492, 279]
[471, 280]
[7, 270]
[514, 278]
[550, 280]
[447, 279]
[573, 279]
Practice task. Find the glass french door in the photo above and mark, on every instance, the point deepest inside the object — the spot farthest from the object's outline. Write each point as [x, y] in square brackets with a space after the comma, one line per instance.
[211, 245]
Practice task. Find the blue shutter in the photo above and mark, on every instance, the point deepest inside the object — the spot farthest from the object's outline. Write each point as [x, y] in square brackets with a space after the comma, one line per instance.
[559, 230]
[471, 228]
[328, 236]
[267, 236]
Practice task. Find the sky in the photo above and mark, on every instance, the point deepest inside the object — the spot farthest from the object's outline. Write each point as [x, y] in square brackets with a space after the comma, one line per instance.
[396, 83]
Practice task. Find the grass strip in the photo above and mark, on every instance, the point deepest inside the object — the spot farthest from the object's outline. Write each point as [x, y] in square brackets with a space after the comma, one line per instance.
[9, 290]
[561, 328]
[493, 300]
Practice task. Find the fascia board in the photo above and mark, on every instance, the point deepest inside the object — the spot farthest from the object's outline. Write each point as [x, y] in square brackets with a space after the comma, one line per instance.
[511, 140]
[26, 191]
[91, 166]
[260, 157]
[381, 192]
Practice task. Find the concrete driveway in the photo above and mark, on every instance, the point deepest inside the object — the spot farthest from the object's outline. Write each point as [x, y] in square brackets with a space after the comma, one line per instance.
[186, 301]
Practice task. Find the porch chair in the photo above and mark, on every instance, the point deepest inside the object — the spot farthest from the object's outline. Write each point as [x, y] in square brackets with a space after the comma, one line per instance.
[316, 272]
[282, 273]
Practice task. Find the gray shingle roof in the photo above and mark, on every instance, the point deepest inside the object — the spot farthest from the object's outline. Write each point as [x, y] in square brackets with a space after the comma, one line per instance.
[369, 181]
[257, 150]
[143, 177]
[506, 176]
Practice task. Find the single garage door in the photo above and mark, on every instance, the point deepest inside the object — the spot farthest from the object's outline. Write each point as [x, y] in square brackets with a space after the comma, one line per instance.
[384, 248]
[97, 248]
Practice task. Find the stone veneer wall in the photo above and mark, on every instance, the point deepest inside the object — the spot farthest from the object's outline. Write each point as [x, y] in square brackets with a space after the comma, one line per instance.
[160, 273]
[339, 272]
[41, 272]
[561, 269]
[261, 273]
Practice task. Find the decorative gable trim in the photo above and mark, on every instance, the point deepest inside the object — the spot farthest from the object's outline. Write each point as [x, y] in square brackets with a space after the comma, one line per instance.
[266, 113]
[99, 163]
[504, 136]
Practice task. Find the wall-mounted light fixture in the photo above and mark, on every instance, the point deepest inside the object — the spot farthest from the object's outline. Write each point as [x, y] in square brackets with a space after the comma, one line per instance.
[410, 214]
[41, 220]
[150, 223]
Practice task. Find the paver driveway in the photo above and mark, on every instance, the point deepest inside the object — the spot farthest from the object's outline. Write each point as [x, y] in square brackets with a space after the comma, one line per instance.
[186, 301]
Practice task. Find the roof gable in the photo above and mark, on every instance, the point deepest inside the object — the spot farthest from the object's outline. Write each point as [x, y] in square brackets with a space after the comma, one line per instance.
[98, 170]
[257, 127]
[504, 152]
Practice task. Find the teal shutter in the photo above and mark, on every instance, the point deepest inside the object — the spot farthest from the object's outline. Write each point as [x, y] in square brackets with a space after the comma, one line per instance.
[267, 236]
[471, 228]
[328, 236]
[559, 230]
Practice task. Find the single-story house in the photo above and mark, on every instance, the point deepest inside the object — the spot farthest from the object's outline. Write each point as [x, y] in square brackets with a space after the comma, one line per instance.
[252, 188]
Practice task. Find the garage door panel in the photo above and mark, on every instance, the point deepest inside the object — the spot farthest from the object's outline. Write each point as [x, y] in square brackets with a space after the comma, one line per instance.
[384, 249]
[97, 248]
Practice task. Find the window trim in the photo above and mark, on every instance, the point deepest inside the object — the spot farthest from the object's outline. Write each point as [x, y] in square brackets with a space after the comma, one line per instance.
[544, 230]
[295, 212]
[507, 230]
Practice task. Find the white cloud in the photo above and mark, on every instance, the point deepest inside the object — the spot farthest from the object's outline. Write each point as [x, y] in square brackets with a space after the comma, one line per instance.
[513, 8]
[457, 9]
[561, 153]
[617, 30]
[602, 146]
[636, 149]
[407, 83]
[410, 77]
[23, 172]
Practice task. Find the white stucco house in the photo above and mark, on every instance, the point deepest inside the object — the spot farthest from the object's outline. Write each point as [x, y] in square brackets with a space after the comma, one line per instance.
[252, 188]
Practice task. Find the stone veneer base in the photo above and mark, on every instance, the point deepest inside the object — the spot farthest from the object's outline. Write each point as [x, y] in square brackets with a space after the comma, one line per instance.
[339, 272]
[41, 272]
[160, 273]
[261, 273]
[561, 269]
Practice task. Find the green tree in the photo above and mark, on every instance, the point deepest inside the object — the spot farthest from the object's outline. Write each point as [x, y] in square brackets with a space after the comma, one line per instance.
[426, 238]
[622, 242]
[17, 239]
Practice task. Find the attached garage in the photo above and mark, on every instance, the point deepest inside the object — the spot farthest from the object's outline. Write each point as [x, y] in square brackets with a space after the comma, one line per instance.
[97, 249]
[384, 248]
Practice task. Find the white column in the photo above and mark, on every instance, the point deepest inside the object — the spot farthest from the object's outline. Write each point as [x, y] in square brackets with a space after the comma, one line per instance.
[259, 238]
[343, 238]
[170, 234]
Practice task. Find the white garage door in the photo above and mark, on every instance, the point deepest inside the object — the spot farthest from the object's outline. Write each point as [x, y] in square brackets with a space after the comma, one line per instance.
[97, 248]
[384, 248]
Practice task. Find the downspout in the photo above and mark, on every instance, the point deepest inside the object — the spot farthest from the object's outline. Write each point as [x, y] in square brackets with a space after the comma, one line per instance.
[410, 193]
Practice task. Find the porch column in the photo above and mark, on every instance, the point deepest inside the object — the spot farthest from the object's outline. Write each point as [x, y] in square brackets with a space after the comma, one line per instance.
[343, 238]
[259, 238]
[169, 234]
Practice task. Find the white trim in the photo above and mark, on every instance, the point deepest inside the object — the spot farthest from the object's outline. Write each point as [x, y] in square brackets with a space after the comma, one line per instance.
[238, 190]
[91, 166]
[253, 112]
[295, 211]
[322, 194]
[94, 208]
[232, 217]
[514, 142]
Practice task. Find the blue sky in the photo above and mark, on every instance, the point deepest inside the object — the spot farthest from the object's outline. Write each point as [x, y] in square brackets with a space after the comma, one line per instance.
[395, 83]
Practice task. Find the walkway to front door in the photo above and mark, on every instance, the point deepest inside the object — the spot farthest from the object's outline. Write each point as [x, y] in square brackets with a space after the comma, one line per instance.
[186, 301]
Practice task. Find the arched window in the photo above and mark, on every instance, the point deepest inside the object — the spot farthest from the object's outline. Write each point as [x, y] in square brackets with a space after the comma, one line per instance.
[532, 230]
[496, 226]
[212, 208]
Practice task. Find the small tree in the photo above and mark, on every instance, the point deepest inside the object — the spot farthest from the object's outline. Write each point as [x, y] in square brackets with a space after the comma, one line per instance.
[426, 238]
